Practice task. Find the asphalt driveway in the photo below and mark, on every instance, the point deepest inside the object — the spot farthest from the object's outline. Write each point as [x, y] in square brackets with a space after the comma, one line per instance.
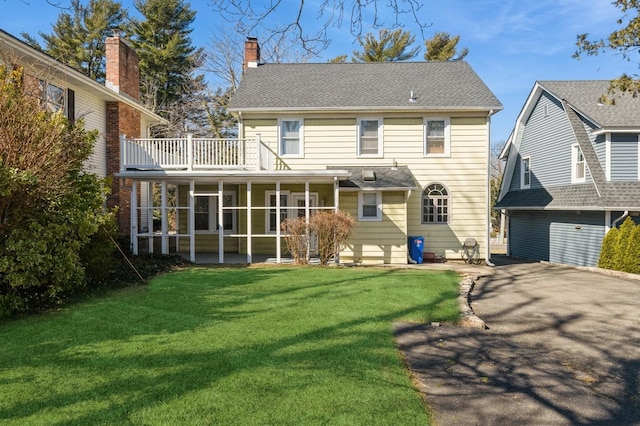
[562, 348]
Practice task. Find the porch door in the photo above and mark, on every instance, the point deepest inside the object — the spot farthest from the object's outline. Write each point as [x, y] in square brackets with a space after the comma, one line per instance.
[297, 203]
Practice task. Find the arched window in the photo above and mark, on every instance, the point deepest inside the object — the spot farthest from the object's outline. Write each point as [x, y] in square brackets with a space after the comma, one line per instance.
[435, 204]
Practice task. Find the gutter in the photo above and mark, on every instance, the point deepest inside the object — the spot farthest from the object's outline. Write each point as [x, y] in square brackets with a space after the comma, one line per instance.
[621, 218]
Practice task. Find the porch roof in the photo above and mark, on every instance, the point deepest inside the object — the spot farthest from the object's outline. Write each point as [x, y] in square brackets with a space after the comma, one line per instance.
[379, 178]
[314, 175]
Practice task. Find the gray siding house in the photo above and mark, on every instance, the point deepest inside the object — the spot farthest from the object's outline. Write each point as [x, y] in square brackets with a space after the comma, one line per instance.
[572, 171]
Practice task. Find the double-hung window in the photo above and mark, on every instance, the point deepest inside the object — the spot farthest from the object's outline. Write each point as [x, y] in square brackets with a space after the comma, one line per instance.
[290, 137]
[370, 137]
[525, 173]
[370, 206]
[578, 165]
[436, 137]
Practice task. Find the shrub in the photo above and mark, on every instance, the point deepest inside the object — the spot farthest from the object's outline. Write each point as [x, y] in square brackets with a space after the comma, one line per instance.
[49, 207]
[608, 251]
[296, 236]
[633, 252]
[622, 245]
[333, 230]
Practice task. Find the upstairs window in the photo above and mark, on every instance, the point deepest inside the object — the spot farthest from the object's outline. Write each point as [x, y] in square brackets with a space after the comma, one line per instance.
[370, 137]
[52, 97]
[290, 137]
[436, 141]
[525, 173]
[435, 204]
[578, 165]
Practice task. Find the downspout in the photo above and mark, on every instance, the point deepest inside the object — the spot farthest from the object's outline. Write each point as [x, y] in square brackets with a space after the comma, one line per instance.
[624, 215]
[487, 253]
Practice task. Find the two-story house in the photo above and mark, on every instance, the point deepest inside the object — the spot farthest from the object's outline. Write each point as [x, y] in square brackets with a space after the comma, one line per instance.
[572, 171]
[402, 147]
[113, 109]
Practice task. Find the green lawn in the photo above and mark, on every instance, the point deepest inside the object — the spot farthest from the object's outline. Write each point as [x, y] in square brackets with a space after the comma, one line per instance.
[257, 345]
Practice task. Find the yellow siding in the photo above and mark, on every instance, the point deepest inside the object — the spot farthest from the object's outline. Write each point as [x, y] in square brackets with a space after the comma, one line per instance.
[377, 242]
[332, 141]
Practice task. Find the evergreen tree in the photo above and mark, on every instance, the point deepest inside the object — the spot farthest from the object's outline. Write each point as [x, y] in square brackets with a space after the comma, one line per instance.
[78, 37]
[443, 47]
[622, 244]
[608, 250]
[390, 46]
[624, 41]
[168, 60]
[633, 253]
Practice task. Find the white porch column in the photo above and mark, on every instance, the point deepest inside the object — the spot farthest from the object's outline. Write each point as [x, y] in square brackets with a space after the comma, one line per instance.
[249, 230]
[306, 215]
[607, 221]
[134, 218]
[258, 152]
[150, 215]
[336, 197]
[278, 243]
[164, 236]
[192, 222]
[336, 194]
[220, 222]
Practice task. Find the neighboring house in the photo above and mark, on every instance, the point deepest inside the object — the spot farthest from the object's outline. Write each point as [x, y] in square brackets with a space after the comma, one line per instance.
[572, 171]
[112, 110]
[402, 147]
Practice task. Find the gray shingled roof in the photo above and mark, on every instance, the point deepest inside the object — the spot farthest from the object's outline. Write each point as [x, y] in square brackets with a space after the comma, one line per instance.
[379, 85]
[584, 96]
[386, 178]
[616, 196]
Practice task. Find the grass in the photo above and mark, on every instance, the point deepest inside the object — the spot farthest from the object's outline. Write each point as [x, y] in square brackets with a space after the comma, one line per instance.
[258, 345]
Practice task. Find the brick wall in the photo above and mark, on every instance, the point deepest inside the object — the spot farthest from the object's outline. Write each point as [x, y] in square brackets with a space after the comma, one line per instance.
[121, 119]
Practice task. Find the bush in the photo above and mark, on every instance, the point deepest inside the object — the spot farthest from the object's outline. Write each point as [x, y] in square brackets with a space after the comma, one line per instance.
[621, 258]
[608, 250]
[621, 248]
[296, 236]
[333, 230]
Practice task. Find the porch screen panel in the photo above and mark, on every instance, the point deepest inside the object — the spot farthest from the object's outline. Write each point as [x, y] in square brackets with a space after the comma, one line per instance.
[272, 212]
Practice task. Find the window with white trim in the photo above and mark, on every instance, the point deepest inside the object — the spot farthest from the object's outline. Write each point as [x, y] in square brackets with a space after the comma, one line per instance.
[369, 137]
[370, 206]
[577, 164]
[437, 137]
[525, 173]
[52, 97]
[290, 137]
[435, 204]
[206, 213]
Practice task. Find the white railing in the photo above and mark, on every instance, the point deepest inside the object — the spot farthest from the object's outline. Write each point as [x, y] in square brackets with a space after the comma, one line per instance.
[195, 154]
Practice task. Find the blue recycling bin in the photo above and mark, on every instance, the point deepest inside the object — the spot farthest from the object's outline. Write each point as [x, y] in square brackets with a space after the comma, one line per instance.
[416, 246]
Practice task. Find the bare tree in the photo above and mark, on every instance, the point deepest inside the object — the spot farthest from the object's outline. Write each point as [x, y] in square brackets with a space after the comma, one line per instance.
[251, 16]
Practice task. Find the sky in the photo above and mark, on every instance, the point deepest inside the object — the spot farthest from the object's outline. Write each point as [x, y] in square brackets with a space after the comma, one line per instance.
[512, 43]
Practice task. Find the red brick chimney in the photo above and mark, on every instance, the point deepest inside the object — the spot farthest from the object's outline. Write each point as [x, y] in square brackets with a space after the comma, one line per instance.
[251, 53]
[123, 73]
[123, 77]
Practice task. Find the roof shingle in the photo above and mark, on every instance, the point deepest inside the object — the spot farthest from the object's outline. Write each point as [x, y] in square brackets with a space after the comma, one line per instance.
[377, 85]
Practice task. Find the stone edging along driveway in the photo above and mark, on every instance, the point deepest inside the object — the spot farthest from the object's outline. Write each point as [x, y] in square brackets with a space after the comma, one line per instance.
[559, 347]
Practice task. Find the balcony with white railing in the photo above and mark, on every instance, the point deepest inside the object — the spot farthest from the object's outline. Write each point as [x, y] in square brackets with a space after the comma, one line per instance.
[194, 154]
